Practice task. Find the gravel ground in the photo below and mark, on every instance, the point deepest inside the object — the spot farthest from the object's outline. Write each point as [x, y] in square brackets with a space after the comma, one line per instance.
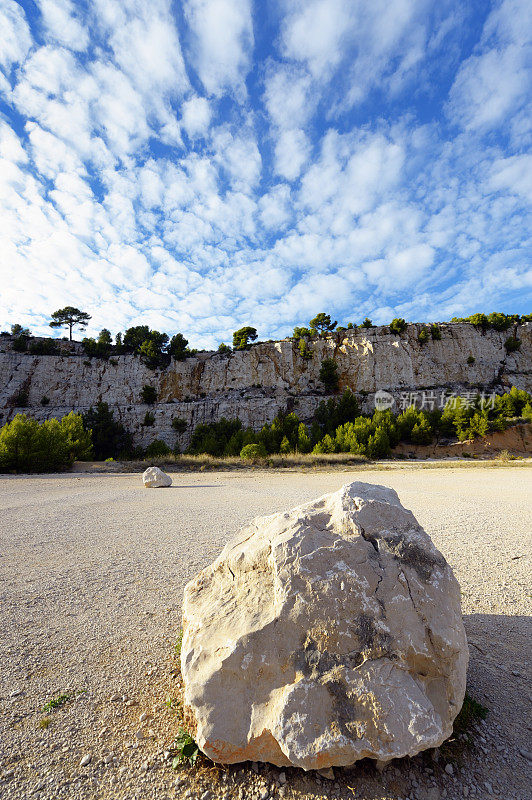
[92, 570]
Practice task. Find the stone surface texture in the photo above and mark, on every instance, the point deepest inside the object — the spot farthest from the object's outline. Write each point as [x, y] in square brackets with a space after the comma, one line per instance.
[324, 635]
[155, 478]
[256, 384]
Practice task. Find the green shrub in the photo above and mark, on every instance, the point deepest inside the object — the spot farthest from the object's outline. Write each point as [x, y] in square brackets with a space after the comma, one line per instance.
[252, 452]
[20, 344]
[27, 446]
[512, 344]
[45, 400]
[149, 419]
[187, 750]
[470, 360]
[178, 347]
[224, 349]
[44, 347]
[179, 424]
[95, 349]
[222, 438]
[435, 332]
[148, 394]
[329, 375]
[423, 336]
[243, 336]
[109, 438]
[397, 325]
[527, 412]
[285, 446]
[79, 440]
[157, 449]
[304, 350]
[304, 444]
[19, 399]
[322, 324]
[301, 333]
[367, 323]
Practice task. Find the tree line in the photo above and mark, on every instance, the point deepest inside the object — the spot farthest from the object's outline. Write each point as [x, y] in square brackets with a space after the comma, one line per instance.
[156, 349]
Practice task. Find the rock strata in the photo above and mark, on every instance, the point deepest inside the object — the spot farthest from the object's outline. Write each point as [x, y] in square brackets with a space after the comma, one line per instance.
[268, 378]
[324, 635]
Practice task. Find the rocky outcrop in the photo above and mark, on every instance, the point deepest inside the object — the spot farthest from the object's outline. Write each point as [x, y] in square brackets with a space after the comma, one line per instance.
[269, 377]
[325, 635]
[155, 478]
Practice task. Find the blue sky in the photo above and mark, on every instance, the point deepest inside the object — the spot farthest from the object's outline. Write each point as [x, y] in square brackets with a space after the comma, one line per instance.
[201, 165]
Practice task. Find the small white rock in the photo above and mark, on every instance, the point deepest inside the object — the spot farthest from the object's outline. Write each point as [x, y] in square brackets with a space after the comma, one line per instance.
[449, 769]
[85, 760]
[155, 478]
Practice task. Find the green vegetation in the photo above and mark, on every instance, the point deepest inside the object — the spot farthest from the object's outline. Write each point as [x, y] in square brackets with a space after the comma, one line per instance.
[252, 452]
[495, 320]
[329, 375]
[512, 344]
[157, 449]
[109, 438]
[179, 424]
[397, 325]
[471, 360]
[29, 446]
[149, 419]
[100, 347]
[304, 350]
[19, 330]
[435, 332]
[20, 344]
[321, 324]
[44, 347]
[187, 750]
[57, 702]
[423, 336]
[367, 323]
[44, 723]
[71, 317]
[148, 394]
[339, 427]
[243, 337]
[301, 333]
[224, 349]
[471, 713]
[178, 347]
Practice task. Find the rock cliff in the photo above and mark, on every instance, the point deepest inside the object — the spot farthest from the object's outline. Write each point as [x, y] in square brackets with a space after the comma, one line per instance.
[269, 377]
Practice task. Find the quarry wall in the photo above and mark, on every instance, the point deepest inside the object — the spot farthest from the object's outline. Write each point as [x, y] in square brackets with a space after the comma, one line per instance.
[269, 377]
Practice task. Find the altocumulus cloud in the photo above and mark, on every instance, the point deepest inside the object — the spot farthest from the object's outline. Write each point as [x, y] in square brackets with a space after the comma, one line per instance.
[201, 165]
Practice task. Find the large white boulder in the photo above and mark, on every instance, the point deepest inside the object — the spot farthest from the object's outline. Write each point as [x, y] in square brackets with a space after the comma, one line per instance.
[155, 478]
[324, 635]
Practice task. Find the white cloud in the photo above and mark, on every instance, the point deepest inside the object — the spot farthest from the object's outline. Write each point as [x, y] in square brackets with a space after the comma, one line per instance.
[222, 41]
[513, 174]
[196, 116]
[288, 96]
[275, 210]
[292, 150]
[314, 32]
[15, 37]
[495, 81]
[11, 148]
[61, 24]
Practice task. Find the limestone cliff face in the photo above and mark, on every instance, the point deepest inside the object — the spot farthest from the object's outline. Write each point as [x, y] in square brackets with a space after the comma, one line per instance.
[269, 377]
